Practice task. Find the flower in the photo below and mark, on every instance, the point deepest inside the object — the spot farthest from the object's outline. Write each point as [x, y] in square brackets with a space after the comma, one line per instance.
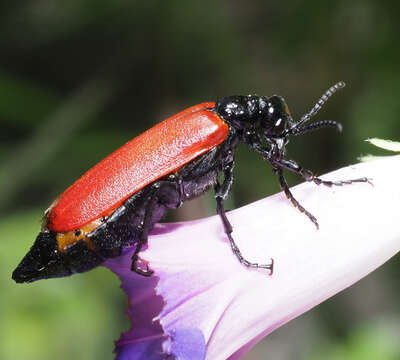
[201, 303]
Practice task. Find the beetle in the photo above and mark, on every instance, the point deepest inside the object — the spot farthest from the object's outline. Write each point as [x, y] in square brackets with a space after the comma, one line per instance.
[117, 202]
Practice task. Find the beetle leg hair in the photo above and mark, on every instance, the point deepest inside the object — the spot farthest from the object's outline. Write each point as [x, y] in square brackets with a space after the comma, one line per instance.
[284, 186]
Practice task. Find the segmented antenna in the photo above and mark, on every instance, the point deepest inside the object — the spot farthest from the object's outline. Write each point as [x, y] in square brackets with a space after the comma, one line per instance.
[319, 103]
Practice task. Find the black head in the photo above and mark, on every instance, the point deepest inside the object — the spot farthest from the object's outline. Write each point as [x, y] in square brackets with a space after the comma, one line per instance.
[269, 119]
[276, 119]
[44, 260]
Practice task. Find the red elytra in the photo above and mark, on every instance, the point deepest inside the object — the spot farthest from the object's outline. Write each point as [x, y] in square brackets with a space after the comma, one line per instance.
[163, 149]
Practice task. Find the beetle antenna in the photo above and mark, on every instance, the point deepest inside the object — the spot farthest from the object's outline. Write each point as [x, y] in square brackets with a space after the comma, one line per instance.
[315, 126]
[307, 116]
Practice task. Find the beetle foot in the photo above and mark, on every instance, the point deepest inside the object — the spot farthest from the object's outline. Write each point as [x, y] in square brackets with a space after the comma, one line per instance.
[140, 266]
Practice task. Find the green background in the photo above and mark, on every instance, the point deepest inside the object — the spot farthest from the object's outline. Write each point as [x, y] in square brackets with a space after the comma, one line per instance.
[80, 78]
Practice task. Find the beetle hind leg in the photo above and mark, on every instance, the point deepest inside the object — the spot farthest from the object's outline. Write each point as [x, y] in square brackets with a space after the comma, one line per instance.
[163, 194]
[137, 263]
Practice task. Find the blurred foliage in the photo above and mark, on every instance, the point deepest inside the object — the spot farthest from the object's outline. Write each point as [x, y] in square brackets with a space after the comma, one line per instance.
[370, 341]
[79, 78]
[70, 318]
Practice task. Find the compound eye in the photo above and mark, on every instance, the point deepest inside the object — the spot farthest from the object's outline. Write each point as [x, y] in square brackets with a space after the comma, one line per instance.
[277, 105]
[279, 125]
[277, 116]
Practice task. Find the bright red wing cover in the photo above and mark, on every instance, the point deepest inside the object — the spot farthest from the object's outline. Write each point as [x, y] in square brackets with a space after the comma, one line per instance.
[157, 152]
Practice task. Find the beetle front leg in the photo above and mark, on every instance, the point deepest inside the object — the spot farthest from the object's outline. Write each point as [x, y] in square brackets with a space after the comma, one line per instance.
[309, 176]
[284, 186]
[221, 193]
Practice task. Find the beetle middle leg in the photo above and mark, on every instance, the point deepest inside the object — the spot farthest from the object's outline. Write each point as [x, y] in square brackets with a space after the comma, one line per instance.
[221, 193]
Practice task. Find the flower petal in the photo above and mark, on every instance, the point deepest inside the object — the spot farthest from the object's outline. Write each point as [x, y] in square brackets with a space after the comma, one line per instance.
[203, 304]
[385, 144]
